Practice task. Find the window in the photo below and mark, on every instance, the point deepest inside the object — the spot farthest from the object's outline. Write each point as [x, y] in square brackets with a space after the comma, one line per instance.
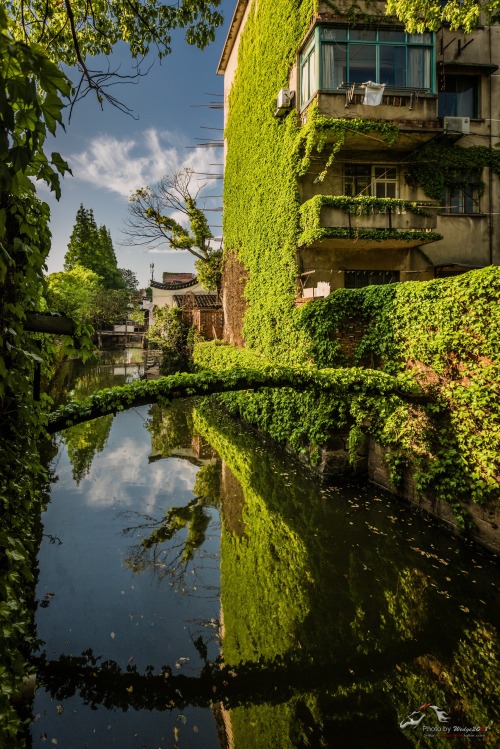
[358, 279]
[368, 179]
[459, 96]
[308, 78]
[461, 199]
[348, 55]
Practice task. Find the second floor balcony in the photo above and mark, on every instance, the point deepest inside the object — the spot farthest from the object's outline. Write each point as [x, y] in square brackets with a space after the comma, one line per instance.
[366, 222]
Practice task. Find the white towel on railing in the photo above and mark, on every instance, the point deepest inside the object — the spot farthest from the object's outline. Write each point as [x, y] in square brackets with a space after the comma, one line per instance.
[373, 93]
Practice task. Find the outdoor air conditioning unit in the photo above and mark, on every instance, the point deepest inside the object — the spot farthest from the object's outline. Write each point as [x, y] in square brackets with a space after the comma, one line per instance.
[283, 101]
[457, 125]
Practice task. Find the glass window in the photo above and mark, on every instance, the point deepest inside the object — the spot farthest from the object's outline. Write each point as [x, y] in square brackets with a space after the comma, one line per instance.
[333, 33]
[308, 84]
[358, 279]
[357, 179]
[462, 199]
[363, 35]
[385, 56]
[366, 179]
[392, 65]
[419, 67]
[459, 96]
[334, 65]
[362, 63]
[392, 36]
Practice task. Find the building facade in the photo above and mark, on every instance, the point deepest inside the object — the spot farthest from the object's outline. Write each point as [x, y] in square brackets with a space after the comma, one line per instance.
[198, 306]
[387, 147]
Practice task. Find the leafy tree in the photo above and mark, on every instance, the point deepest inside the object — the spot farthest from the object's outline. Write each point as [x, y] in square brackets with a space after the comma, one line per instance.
[92, 248]
[83, 241]
[129, 279]
[170, 334]
[209, 271]
[422, 15]
[105, 262]
[73, 293]
[35, 37]
[71, 30]
[109, 306]
[149, 223]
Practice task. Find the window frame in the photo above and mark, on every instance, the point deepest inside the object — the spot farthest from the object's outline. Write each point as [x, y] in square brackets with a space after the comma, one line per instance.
[408, 43]
[476, 88]
[468, 193]
[373, 179]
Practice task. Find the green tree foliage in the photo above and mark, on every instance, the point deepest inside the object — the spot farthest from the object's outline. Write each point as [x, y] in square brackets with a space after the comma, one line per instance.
[209, 271]
[73, 292]
[129, 279]
[72, 31]
[109, 306]
[35, 37]
[170, 334]
[429, 15]
[150, 224]
[32, 90]
[92, 247]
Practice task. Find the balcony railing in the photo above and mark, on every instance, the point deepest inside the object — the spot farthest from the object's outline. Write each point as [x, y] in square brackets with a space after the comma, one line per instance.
[374, 222]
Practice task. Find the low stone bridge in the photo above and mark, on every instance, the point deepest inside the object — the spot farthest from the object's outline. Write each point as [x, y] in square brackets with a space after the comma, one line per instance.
[340, 381]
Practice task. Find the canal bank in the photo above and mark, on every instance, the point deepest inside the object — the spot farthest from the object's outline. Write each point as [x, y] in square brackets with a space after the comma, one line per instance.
[199, 588]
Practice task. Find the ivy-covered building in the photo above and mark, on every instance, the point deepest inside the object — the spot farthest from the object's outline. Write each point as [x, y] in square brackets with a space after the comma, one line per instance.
[332, 183]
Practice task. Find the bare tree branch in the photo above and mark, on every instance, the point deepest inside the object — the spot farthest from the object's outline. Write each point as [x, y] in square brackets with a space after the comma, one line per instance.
[150, 221]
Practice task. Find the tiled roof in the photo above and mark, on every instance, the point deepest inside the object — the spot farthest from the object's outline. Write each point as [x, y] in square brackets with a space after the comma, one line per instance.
[196, 301]
[173, 285]
[168, 277]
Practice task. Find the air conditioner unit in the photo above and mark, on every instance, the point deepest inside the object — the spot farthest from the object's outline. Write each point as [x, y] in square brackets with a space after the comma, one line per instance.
[284, 102]
[284, 98]
[457, 125]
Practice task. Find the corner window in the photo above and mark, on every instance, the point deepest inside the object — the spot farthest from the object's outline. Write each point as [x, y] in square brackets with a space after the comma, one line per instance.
[459, 96]
[308, 77]
[461, 199]
[347, 55]
[368, 179]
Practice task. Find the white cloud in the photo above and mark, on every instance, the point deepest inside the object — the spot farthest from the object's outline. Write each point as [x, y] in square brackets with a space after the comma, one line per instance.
[123, 165]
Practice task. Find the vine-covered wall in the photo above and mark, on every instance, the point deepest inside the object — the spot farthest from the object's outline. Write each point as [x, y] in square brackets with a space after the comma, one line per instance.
[444, 334]
[261, 221]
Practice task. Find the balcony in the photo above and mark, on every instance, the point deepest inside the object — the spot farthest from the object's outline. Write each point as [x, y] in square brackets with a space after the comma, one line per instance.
[366, 223]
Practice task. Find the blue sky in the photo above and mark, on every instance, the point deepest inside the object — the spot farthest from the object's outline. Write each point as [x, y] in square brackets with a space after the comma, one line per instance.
[112, 154]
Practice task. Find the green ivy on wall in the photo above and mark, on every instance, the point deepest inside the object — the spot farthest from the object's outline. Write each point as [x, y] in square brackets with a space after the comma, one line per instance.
[320, 131]
[438, 166]
[261, 210]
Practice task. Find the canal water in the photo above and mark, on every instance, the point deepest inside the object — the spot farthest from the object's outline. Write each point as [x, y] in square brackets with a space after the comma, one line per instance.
[197, 589]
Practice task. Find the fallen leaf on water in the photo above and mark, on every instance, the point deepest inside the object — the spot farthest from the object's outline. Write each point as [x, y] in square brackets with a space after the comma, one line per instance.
[112, 635]
[130, 689]
[60, 709]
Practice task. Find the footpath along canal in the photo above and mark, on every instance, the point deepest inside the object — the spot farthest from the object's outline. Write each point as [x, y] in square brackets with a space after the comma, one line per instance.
[198, 589]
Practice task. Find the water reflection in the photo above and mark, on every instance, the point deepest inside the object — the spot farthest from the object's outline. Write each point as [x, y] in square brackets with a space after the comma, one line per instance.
[340, 611]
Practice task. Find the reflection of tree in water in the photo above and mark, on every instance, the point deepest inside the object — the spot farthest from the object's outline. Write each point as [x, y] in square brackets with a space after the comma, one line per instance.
[337, 590]
[84, 441]
[78, 381]
[187, 524]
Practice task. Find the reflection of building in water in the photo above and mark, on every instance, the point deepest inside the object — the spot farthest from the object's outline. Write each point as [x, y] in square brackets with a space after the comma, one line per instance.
[334, 622]
[202, 449]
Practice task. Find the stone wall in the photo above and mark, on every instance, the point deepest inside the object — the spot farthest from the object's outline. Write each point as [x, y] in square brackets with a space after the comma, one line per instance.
[485, 521]
[234, 279]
